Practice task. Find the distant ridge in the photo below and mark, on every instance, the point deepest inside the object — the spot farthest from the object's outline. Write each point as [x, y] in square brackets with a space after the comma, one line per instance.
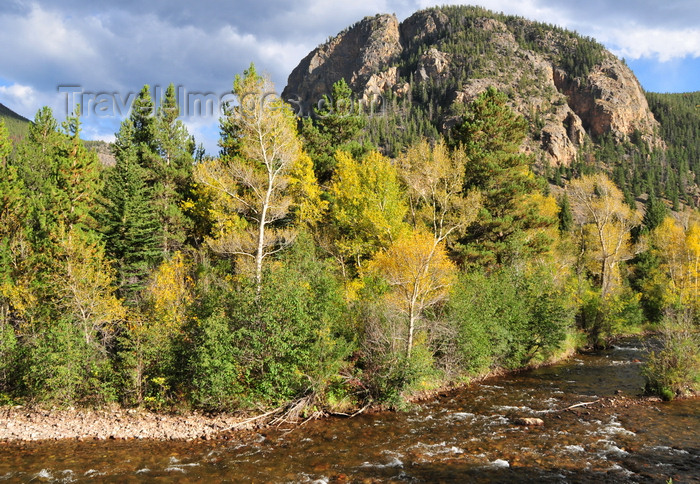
[6, 112]
[17, 125]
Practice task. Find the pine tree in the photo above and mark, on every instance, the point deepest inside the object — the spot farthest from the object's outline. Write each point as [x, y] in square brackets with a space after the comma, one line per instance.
[566, 216]
[334, 126]
[172, 174]
[78, 178]
[142, 135]
[515, 218]
[655, 211]
[128, 221]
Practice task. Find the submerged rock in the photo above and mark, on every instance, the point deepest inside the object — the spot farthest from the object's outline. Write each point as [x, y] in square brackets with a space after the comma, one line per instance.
[529, 421]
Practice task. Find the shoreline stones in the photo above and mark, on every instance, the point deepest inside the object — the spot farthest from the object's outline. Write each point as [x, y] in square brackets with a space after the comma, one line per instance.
[22, 425]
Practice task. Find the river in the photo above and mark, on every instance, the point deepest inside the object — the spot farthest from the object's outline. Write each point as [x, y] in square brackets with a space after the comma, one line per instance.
[468, 435]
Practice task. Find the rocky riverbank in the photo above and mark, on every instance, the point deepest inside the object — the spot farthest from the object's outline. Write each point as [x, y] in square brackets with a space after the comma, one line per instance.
[24, 424]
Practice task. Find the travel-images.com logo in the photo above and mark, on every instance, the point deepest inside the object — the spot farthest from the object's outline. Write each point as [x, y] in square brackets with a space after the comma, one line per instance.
[106, 104]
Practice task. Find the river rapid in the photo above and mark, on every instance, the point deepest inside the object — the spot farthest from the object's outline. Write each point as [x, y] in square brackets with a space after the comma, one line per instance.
[468, 435]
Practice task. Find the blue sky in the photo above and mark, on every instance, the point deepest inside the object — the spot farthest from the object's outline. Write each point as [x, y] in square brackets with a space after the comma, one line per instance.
[112, 48]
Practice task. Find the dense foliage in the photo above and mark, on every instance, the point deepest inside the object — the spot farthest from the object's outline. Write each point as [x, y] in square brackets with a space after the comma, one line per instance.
[240, 282]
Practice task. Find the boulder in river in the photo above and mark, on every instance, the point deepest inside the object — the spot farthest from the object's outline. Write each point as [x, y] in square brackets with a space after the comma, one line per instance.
[529, 421]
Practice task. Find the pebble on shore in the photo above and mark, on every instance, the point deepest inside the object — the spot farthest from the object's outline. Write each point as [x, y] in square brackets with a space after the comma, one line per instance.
[23, 424]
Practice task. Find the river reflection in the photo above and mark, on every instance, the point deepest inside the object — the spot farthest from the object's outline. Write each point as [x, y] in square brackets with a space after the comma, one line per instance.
[467, 436]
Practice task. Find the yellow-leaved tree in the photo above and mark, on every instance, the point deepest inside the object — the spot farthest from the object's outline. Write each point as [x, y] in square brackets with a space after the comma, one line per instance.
[420, 275]
[367, 208]
[679, 249]
[261, 177]
[604, 222]
[153, 330]
[85, 283]
[434, 177]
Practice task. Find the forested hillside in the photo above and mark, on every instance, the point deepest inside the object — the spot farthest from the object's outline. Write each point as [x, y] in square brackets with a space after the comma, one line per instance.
[305, 270]
[679, 117]
[16, 125]
[585, 109]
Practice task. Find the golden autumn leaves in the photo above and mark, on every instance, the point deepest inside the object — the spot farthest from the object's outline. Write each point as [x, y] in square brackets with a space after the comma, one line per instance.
[262, 191]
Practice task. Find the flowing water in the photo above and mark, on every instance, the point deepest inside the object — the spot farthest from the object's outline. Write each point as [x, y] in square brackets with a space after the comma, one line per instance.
[467, 436]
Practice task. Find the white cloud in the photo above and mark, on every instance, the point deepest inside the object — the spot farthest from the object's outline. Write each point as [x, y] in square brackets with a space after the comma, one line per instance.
[631, 29]
[26, 101]
[638, 41]
[119, 46]
[18, 97]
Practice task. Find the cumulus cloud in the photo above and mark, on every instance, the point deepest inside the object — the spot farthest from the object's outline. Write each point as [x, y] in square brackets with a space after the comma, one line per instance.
[117, 47]
[663, 44]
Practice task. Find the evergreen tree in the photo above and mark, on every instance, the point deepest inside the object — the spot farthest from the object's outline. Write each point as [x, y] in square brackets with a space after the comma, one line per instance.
[142, 135]
[78, 179]
[515, 217]
[128, 221]
[566, 216]
[334, 126]
[655, 211]
[172, 173]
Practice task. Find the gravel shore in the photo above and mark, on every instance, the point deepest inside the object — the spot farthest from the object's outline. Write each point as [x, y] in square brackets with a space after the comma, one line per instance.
[24, 424]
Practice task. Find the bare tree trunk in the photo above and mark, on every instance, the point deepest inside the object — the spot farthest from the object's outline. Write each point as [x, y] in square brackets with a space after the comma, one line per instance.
[411, 328]
[261, 235]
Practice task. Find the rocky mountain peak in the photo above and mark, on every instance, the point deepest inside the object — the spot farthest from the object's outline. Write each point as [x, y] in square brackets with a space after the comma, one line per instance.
[361, 54]
[568, 87]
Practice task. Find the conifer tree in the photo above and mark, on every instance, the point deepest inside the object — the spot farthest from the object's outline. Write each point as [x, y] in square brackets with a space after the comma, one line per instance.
[334, 125]
[172, 176]
[655, 211]
[78, 178]
[566, 216]
[515, 219]
[128, 221]
[5, 144]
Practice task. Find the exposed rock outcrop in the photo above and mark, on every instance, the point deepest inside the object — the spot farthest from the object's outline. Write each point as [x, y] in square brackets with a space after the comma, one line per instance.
[378, 55]
[362, 55]
[609, 100]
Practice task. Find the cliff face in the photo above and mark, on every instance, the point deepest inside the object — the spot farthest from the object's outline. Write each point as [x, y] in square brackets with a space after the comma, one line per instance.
[563, 104]
[362, 55]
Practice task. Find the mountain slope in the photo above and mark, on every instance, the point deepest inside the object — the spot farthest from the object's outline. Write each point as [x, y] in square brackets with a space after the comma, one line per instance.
[16, 124]
[586, 109]
[437, 60]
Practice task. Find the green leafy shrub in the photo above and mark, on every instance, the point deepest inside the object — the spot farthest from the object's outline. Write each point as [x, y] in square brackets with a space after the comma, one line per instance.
[8, 354]
[675, 369]
[508, 319]
[58, 367]
[289, 340]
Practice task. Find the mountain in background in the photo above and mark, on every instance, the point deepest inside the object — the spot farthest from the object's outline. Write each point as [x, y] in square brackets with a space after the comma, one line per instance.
[585, 107]
[17, 125]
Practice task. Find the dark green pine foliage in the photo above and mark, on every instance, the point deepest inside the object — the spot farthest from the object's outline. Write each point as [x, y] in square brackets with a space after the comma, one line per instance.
[172, 173]
[335, 125]
[128, 220]
[566, 216]
[142, 136]
[78, 179]
[491, 134]
[679, 116]
[229, 129]
[37, 168]
[60, 179]
[143, 218]
[655, 211]
[61, 183]
[12, 219]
